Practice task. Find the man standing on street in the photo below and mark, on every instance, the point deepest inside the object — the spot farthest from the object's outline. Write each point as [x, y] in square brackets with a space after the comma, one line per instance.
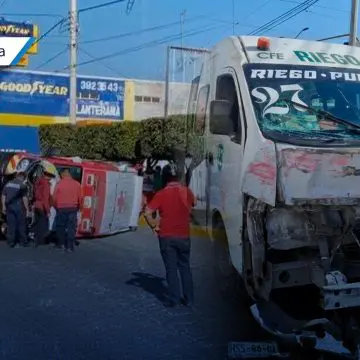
[67, 201]
[174, 204]
[42, 207]
[15, 206]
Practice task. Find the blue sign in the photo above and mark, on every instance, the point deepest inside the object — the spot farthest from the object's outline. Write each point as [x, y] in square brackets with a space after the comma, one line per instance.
[16, 29]
[19, 139]
[37, 94]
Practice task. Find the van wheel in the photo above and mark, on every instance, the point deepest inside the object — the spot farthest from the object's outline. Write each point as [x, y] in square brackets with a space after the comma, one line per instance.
[227, 279]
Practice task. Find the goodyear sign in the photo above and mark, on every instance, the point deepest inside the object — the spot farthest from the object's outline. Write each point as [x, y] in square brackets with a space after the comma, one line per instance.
[16, 29]
[47, 96]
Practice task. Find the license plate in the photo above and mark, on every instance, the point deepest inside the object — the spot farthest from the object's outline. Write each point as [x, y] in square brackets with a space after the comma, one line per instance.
[243, 350]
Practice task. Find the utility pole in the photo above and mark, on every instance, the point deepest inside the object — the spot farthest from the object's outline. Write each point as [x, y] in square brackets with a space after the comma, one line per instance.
[182, 18]
[73, 59]
[354, 22]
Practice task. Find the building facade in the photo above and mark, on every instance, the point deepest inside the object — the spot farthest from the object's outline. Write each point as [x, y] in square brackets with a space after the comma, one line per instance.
[34, 98]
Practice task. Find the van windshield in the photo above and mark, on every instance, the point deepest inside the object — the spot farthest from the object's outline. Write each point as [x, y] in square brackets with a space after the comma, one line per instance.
[328, 111]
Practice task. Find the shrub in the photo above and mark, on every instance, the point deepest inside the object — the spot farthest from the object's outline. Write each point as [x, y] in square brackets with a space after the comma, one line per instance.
[116, 141]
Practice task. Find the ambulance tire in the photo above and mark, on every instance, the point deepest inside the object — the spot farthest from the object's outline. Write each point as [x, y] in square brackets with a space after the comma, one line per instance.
[227, 279]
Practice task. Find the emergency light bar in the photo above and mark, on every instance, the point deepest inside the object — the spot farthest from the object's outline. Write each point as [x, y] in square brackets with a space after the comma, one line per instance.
[263, 43]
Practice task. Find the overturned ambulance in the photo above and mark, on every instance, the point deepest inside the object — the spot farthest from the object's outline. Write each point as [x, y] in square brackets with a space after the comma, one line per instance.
[276, 171]
[111, 192]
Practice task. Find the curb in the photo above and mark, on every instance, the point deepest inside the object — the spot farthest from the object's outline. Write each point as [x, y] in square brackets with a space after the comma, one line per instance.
[195, 231]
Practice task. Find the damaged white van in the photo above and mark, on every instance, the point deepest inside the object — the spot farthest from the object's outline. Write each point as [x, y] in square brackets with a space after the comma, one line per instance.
[276, 171]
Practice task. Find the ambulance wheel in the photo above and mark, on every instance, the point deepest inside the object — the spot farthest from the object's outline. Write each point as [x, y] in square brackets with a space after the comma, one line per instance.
[227, 279]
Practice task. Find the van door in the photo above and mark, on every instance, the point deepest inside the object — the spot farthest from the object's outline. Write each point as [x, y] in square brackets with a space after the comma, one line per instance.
[198, 180]
[226, 153]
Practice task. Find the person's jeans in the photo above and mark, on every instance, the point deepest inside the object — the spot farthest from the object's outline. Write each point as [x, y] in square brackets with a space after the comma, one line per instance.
[66, 226]
[16, 226]
[175, 253]
[41, 227]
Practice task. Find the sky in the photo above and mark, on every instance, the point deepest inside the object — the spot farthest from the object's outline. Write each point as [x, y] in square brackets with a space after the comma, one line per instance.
[138, 51]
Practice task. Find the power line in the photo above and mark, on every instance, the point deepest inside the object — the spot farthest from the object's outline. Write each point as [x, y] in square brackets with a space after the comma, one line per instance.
[141, 31]
[319, 6]
[53, 58]
[101, 62]
[58, 23]
[154, 43]
[307, 6]
[284, 17]
[278, 19]
[256, 9]
[100, 5]
[33, 15]
[131, 33]
[2, 3]
[130, 6]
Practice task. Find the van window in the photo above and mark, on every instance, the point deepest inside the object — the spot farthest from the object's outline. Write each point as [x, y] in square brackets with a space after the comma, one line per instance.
[226, 90]
[75, 171]
[201, 107]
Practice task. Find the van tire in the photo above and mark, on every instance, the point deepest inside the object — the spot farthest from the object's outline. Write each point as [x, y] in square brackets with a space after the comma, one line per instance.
[227, 279]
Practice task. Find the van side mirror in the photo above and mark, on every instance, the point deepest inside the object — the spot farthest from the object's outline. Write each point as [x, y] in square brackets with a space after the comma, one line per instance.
[220, 117]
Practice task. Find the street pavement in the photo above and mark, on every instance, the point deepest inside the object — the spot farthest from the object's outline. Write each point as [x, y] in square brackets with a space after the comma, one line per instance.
[105, 302]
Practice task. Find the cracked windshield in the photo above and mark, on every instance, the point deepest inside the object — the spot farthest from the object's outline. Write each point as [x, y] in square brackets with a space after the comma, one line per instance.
[179, 179]
[307, 103]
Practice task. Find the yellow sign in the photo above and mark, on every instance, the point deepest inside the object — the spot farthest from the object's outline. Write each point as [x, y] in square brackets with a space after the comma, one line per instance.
[34, 48]
[24, 61]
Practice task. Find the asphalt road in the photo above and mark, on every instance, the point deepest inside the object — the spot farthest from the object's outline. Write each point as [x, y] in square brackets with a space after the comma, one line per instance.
[104, 302]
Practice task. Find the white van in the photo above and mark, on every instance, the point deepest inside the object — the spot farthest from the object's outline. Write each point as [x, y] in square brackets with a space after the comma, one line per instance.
[276, 165]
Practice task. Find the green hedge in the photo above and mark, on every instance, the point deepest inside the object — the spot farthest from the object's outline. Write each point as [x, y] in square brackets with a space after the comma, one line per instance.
[115, 142]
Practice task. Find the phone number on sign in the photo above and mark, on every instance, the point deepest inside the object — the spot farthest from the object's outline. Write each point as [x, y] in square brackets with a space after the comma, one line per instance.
[101, 86]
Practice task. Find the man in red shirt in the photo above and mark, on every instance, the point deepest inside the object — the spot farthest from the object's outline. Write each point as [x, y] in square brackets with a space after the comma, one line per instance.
[67, 200]
[174, 204]
[42, 208]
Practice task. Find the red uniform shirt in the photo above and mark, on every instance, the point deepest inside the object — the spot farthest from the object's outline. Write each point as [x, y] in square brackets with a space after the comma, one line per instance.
[42, 195]
[67, 194]
[174, 204]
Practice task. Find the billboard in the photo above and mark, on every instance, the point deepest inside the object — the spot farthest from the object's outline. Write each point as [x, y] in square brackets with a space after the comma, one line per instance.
[44, 97]
[17, 29]
[19, 139]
